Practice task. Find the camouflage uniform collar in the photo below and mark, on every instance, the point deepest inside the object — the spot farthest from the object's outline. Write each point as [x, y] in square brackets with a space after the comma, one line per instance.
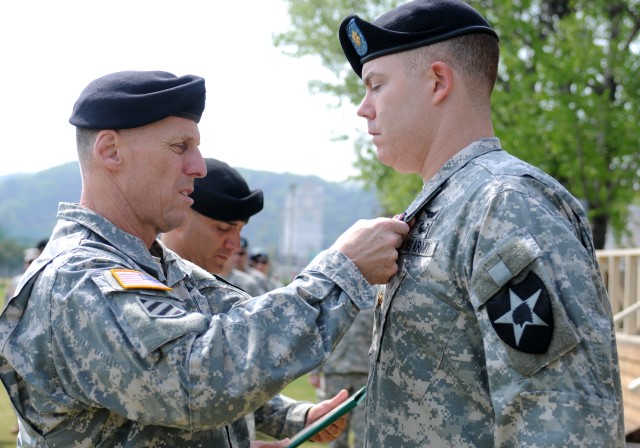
[127, 244]
[177, 268]
[433, 186]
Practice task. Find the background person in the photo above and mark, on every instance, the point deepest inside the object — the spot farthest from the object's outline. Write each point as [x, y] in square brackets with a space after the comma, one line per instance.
[497, 330]
[210, 234]
[237, 273]
[223, 204]
[260, 262]
[30, 254]
[348, 368]
[111, 339]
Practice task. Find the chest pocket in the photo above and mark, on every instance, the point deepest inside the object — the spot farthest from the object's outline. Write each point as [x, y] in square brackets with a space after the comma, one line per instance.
[416, 332]
[149, 318]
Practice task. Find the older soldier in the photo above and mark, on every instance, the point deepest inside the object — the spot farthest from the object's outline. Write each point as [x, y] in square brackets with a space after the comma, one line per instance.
[497, 329]
[208, 237]
[111, 339]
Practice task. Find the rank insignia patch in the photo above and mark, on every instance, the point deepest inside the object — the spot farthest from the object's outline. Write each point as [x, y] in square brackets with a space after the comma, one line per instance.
[156, 308]
[130, 279]
[357, 38]
[522, 316]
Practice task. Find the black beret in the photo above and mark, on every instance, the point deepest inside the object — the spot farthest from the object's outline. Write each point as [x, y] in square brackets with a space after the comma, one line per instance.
[411, 25]
[131, 99]
[259, 255]
[223, 194]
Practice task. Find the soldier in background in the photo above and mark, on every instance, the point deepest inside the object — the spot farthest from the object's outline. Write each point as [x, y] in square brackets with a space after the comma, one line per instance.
[209, 236]
[236, 271]
[348, 368]
[244, 264]
[30, 254]
[260, 262]
[497, 330]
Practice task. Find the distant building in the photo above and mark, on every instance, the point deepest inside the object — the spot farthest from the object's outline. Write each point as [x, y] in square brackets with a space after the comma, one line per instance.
[302, 232]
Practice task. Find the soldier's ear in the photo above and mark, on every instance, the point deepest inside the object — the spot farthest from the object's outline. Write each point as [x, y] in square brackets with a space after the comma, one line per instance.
[441, 81]
[106, 149]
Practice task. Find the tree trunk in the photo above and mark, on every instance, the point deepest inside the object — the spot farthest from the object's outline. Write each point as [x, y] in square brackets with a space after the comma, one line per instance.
[599, 228]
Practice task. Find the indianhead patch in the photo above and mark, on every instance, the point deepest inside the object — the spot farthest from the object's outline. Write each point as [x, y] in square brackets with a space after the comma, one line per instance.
[521, 314]
[357, 38]
[131, 279]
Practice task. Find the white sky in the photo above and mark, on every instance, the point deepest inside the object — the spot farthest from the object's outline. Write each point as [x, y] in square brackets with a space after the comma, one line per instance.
[259, 113]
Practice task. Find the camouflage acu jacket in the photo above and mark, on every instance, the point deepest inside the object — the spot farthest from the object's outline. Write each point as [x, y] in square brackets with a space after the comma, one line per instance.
[107, 345]
[497, 330]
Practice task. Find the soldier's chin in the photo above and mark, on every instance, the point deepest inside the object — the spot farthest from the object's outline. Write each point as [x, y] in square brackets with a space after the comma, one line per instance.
[389, 161]
[175, 220]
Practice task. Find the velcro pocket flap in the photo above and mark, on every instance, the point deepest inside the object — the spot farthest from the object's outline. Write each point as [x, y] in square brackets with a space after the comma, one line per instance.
[498, 268]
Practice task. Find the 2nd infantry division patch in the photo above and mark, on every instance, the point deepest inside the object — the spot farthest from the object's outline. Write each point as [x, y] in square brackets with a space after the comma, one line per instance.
[521, 315]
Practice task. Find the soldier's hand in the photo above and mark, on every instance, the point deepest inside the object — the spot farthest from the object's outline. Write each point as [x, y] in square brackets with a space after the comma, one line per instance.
[332, 431]
[373, 247]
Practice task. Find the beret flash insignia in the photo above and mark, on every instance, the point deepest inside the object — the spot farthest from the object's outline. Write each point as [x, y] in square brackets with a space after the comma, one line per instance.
[357, 38]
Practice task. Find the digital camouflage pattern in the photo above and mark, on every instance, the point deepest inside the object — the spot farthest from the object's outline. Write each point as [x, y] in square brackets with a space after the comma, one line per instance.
[348, 368]
[246, 282]
[351, 355]
[540, 369]
[90, 363]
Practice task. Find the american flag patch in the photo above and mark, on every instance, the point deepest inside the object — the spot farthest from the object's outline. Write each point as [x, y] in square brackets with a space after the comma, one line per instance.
[130, 279]
[156, 308]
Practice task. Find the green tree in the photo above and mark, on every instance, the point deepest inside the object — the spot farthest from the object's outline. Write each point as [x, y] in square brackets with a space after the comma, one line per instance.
[567, 98]
[11, 254]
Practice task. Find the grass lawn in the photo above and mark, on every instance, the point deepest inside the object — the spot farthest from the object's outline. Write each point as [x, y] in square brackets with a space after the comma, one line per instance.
[299, 389]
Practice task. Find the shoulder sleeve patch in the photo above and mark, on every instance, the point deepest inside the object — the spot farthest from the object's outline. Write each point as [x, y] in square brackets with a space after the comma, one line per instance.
[131, 279]
[522, 315]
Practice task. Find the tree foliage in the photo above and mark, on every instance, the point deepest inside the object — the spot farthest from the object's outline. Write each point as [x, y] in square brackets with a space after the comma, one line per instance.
[567, 98]
[11, 254]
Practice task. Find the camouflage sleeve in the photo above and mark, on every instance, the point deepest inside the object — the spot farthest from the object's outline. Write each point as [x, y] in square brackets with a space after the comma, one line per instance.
[281, 416]
[546, 326]
[139, 354]
[352, 353]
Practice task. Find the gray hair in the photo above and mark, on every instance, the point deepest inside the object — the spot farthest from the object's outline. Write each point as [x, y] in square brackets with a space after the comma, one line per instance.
[85, 139]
